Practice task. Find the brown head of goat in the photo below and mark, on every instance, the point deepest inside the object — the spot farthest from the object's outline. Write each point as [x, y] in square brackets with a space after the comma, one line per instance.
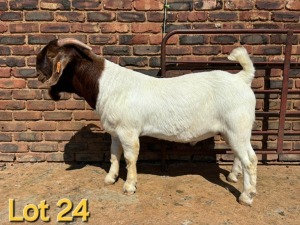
[68, 65]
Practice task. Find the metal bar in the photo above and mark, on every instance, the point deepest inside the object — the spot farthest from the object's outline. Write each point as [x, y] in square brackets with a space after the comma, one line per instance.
[260, 132]
[267, 91]
[271, 114]
[285, 80]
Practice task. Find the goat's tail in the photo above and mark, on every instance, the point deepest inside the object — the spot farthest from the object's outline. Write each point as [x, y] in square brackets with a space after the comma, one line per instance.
[240, 54]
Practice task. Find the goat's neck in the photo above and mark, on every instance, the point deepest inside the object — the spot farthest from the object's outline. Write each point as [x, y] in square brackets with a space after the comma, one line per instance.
[86, 81]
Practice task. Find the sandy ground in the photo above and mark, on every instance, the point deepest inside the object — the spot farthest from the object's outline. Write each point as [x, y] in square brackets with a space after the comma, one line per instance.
[188, 193]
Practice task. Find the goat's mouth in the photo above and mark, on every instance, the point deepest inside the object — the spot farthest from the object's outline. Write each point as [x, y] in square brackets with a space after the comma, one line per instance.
[41, 77]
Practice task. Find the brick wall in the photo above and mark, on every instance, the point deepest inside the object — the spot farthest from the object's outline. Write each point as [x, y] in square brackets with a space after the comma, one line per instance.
[33, 128]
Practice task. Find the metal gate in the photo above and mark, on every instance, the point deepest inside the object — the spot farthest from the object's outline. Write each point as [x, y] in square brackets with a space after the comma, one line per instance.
[286, 65]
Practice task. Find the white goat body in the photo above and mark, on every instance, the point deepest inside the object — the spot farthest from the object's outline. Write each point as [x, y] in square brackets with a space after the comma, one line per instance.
[188, 108]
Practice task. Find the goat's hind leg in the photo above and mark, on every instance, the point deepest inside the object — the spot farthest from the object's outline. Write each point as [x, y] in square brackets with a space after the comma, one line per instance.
[236, 170]
[249, 164]
[116, 152]
[243, 151]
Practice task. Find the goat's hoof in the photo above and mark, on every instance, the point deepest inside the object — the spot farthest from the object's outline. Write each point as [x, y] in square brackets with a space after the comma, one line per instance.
[245, 199]
[129, 189]
[232, 178]
[109, 179]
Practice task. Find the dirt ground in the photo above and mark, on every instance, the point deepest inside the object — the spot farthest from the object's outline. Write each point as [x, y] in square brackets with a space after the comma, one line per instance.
[188, 193]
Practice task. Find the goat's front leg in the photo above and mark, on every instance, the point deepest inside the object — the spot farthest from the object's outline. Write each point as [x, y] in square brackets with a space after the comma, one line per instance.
[116, 152]
[131, 147]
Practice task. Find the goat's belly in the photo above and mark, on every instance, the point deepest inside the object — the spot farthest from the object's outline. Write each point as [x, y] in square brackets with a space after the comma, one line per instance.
[182, 137]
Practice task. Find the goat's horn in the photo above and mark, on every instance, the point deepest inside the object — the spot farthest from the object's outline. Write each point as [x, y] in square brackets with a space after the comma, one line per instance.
[72, 41]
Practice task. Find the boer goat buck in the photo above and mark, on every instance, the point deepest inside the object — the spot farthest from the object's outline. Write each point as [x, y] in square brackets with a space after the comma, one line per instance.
[185, 109]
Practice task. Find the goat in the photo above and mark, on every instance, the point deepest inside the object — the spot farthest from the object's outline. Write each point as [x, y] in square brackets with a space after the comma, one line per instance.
[186, 109]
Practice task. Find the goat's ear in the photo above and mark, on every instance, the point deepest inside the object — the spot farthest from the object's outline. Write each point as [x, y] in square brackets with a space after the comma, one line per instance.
[59, 64]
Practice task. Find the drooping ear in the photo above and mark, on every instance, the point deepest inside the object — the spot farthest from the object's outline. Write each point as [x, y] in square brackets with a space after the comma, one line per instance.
[87, 50]
[59, 64]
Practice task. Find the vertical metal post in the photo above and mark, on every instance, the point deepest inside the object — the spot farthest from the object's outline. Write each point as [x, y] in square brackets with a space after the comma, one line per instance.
[284, 91]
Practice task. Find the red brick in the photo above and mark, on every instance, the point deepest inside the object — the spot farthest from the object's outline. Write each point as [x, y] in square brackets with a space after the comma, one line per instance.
[206, 50]
[58, 136]
[147, 5]
[101, 16]
[258, 83]
[269, 4]
[153, 28]
[85, 28]
[113, 5]
[42, 126]
[5, 116]
[7, 157]
[297, 105]
[24, 72]
[59, 157]
[5, 50]
[30, 157]
[12, 126]
[133, 39]
[114, 28]
[23, 4]
[55, 28]
[12, 61]
[146, 50]
[71, 104]
[290, 157]
[208, 5]
[44, 147]
[134, 61]
[174, 50]
[86, 5]
[267, 50]
[238, 5]
[5, 94]
[85, 115]
[223, 16]
[8, 83]
[39, 16]
[273, 145]
[27, 94]
[69, 17]
[130, 17]
[156, 39]
[20, 116]
[28, 136]
[24, 28]
[192, 16]
[254, 16]
[5, 72]
[70, 126]
[159, 16]
[293, 5]
[58, 116]
[23, 50]
[12, 105]
[5, 137]
[13, 148]
[55, 4]
[223, 39]
[285, 16]
[40, 105]
[102, 39]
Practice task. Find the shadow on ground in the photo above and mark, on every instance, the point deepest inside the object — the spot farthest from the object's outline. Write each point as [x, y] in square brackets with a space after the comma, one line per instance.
[90, 146]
